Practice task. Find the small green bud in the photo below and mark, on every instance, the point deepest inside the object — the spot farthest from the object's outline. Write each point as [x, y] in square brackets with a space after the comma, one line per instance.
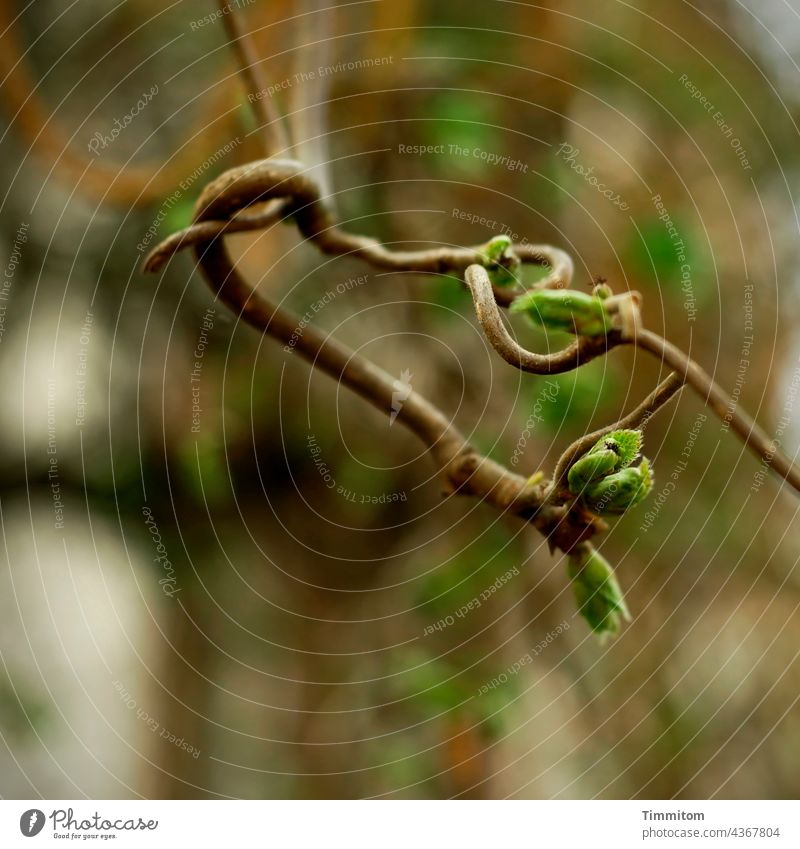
[500, 261]
[617, 492]
[597, 593]
[565, 309]
[609, 454]
[592, 466]
[496, 247]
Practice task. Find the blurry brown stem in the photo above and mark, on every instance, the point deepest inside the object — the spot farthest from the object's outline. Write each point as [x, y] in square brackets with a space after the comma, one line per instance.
[308, 103]
[272, 129]
[103, 182]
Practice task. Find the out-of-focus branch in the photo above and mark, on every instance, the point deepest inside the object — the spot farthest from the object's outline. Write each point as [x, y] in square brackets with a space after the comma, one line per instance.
[129, 186]
[272, 130]
[308, 103]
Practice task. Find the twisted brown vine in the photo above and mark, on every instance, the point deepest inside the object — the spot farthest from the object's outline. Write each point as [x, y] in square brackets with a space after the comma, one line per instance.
[253, 196]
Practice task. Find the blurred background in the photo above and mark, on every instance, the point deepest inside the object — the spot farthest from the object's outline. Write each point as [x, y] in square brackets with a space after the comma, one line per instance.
[223, 576]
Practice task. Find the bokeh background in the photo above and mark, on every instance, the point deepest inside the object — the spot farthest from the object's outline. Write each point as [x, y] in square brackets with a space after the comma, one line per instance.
[292, 636]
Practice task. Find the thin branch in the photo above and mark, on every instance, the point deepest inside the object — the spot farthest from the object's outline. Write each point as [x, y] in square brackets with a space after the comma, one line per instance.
[224, 200]
[288, 180]
[287, 190]
[197, 234]
[560, 262]
[756, 439]
[689, 371]
[467, 471]
[222, 208]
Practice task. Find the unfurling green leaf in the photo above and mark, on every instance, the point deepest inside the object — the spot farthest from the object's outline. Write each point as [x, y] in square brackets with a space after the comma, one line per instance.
[501, 263]
[613, 452]
[496, 248]
[625, 443]
[597, 593]
[564, 309]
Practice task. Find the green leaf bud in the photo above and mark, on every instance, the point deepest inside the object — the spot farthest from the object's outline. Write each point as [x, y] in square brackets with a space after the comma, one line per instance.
[592, 466]
[565, 309]
[597, 593]
[616, 493]
[609, 454]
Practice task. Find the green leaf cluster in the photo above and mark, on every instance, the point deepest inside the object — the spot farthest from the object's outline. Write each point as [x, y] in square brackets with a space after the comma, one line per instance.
[605, 479]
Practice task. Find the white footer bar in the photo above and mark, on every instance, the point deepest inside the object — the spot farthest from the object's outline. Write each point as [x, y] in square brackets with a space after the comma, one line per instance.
[406, 824]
